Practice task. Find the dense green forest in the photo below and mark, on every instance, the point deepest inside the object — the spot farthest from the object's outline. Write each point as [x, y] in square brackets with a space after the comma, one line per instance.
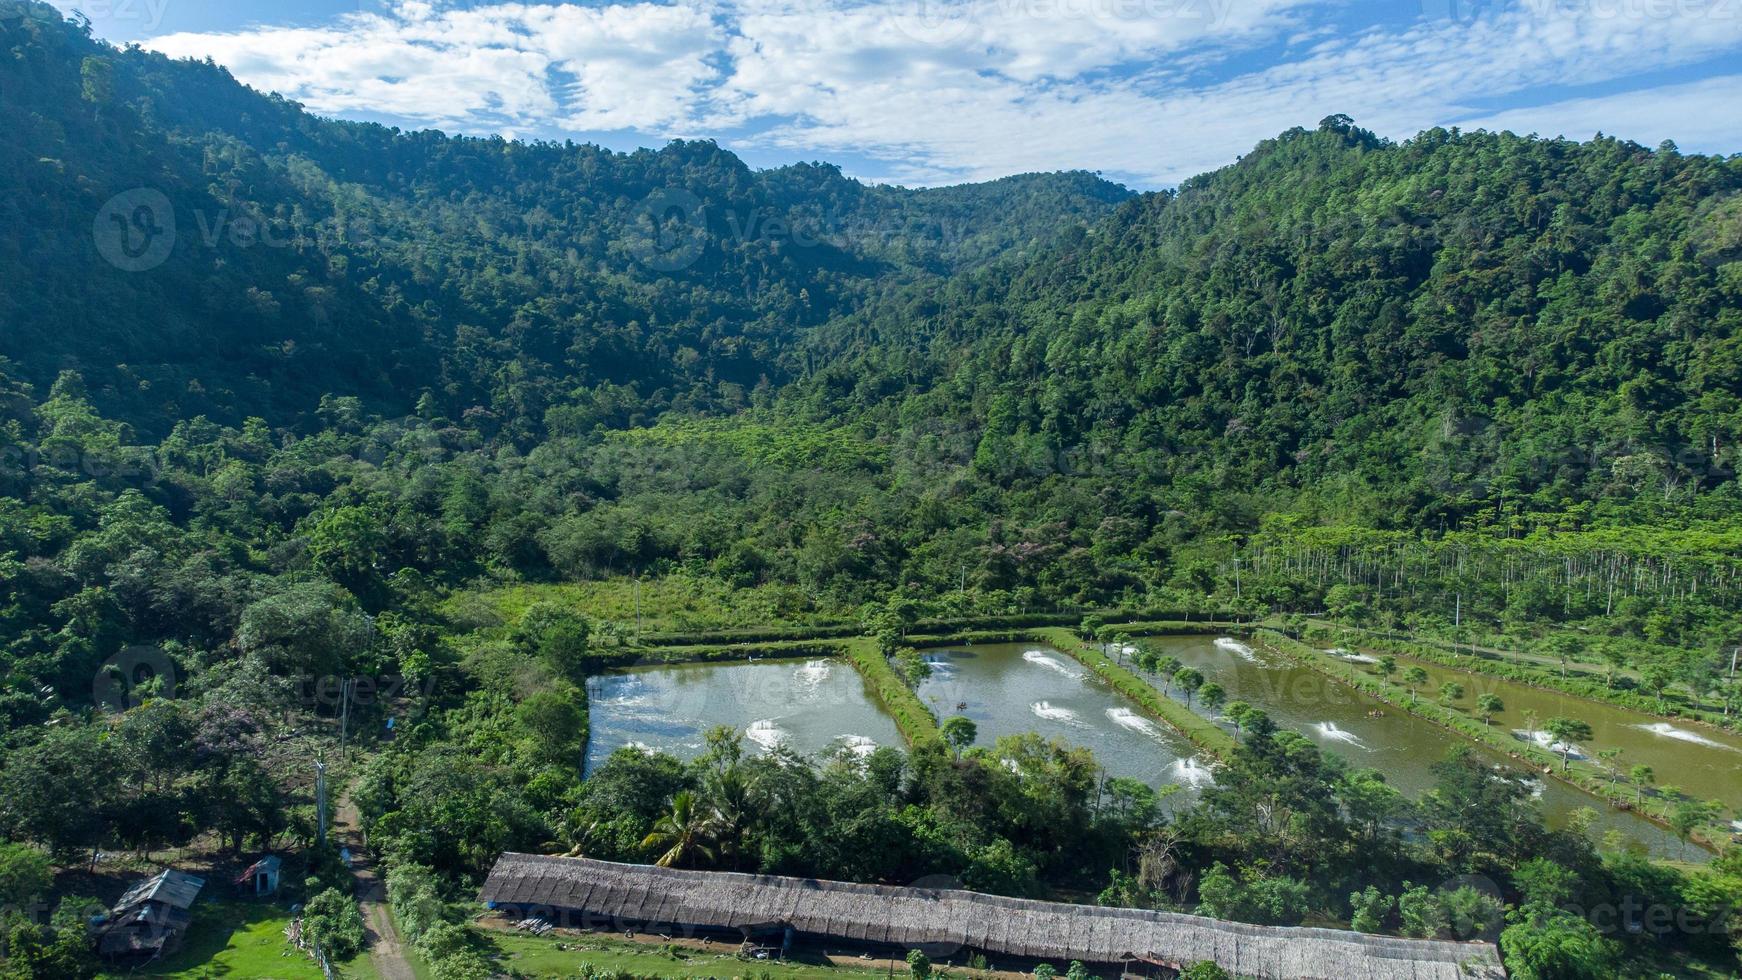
[1468, 384]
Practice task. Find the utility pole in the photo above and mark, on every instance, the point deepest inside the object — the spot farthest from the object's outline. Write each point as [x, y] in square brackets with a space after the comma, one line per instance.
[345, 711]
[321, 801]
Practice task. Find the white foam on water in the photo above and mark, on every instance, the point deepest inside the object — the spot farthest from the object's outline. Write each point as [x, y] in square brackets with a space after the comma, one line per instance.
[1132, 721]
[1683, 735]
[641, 747]
[1351, 656]
[1051, 712]
[813, 673]
[940, 665]
[1189, 772]
[1128, 649]
[766, 734]
[1329, 730]
[859, 745]
[1041, 658]
[1236, 648]
[1547, 741]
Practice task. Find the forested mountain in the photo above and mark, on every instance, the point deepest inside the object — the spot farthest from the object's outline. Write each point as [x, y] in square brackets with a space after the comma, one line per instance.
[1337, 351]
[1453, 330]
[306, 256]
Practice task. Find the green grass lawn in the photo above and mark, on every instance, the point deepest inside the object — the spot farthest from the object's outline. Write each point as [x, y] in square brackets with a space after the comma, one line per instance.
[244, 940]
[538, 956]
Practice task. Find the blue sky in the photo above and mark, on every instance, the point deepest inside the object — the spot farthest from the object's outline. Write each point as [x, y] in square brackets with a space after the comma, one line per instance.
[1148, 92]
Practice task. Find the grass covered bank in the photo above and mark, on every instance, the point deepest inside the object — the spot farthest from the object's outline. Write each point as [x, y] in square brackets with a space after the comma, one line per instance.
[1200, 731]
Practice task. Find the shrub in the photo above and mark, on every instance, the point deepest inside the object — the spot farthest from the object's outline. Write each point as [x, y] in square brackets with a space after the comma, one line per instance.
[332, 921]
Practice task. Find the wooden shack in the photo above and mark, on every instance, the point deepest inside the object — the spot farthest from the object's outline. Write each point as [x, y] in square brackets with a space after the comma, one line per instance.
[152, 917]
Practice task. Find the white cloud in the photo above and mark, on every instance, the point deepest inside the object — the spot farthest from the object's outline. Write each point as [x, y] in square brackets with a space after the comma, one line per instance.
[1703, 116]
[1149, 90]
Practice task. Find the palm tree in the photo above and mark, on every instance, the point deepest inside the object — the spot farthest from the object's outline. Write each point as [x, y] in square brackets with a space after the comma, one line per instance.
[1642, 777]
[1387, 666]
[682, 832]
[1451, 691]
[1566, 731]
[1489, 705]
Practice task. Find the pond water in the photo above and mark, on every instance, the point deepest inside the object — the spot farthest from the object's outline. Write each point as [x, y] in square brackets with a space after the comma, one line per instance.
[1011, 688]
[1700, 761]
[1373, 735]
[815, 707]
[822, 706]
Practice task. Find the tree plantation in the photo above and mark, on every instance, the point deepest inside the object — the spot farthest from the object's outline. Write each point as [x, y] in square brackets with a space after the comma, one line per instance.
[343, 467]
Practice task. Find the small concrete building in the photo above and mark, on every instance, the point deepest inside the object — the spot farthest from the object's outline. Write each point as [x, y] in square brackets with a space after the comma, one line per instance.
[261, 878]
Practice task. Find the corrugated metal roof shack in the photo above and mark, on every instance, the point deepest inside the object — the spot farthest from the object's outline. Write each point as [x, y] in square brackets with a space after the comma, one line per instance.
[151, 917]
[581, 893]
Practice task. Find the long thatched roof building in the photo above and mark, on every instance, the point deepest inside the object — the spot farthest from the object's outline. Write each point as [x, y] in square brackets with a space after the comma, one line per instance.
[640, 898]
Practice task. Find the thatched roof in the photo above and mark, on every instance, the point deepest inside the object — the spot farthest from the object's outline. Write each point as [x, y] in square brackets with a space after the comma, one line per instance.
[644, 898]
